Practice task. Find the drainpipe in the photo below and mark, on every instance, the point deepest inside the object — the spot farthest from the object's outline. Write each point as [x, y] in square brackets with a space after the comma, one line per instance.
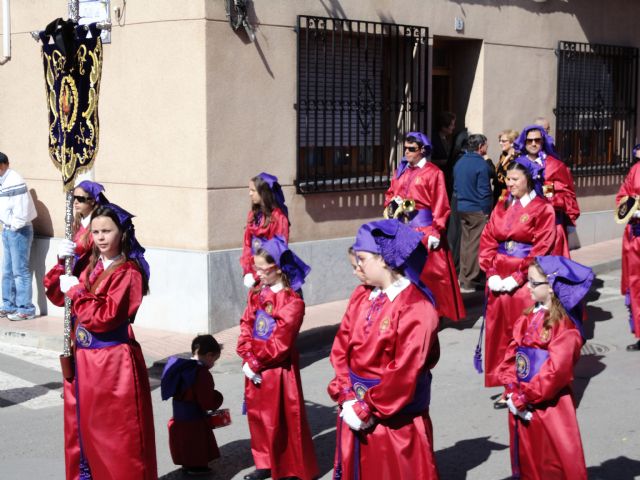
[6, 32]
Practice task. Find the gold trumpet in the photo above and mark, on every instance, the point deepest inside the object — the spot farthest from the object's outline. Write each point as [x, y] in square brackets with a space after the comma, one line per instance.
[407, 206]
[390, 210]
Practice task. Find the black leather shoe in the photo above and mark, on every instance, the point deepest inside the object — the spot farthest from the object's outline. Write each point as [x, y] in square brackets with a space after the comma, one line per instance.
[634, 347]
[500, 404]
[258, 474]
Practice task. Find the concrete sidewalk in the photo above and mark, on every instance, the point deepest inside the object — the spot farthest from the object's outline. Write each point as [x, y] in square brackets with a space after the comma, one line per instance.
[320, 320]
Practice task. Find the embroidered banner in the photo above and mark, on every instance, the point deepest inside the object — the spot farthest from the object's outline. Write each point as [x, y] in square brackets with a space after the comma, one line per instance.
[72, 58]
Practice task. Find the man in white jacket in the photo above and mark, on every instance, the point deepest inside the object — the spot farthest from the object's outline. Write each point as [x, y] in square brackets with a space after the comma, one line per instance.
[17, 210]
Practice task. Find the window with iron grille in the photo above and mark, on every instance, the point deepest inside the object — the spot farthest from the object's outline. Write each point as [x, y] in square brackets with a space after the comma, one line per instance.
[596, 107]
[361, 86]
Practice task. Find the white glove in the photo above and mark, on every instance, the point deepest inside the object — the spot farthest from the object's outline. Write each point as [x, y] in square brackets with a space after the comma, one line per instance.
[495, 283]
[637, 214]
[68, 281]
[526, 415]
[511, 406]
[433, 242]
[66, 248]
[509, 284]
[248, 280]
[251, 375]
[350, 416]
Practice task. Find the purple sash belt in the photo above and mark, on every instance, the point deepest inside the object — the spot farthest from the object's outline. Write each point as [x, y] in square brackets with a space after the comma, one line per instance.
[421, 218]
[421, 397]
[263, 326]
[528, 362]
[186, 411]
[514, 249]
[91, 340]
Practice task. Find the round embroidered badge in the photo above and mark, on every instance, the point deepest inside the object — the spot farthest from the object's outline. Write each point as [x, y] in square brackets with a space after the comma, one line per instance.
[359, 390]
[523, 365]
[262, 326]
[524, 218]
[83, 337]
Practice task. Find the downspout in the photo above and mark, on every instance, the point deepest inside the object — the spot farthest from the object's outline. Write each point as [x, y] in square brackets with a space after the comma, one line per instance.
[6, 32]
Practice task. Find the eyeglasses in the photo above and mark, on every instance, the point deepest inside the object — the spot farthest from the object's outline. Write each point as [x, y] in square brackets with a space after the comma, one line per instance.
[360, 261]
[534, 140]
[264, 270]
[81, 199]
[411, 149]
[503, 140]
[535, 284]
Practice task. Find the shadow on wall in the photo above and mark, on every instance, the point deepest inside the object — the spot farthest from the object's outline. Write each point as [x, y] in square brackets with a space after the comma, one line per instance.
[323, 207]
[43, 229]
[590, 15]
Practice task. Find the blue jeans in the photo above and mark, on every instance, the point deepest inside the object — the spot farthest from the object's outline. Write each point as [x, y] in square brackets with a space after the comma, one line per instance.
[16, 277]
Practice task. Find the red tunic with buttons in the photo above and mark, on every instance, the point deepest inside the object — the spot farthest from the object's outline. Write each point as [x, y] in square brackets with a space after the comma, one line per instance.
[111, 379]
[564, 202]
[630, 281]
[192, 442]
[84, 243]
[426, 186]
[280, 435]
[549, 445]
[278, 225]
[533, 224]
[395, 342]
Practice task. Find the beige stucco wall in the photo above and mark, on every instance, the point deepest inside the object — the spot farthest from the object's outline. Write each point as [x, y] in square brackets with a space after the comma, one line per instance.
[190, 110]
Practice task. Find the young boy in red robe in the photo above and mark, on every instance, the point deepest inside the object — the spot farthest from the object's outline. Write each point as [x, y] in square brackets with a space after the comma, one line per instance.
[190, 383]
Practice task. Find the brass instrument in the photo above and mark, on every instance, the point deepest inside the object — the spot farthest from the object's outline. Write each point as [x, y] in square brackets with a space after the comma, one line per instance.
[626, 208]
[390, 210]
[399, 209]
[503, 162]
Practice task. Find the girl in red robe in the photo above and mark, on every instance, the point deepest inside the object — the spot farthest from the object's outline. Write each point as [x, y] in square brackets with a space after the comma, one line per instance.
[267, 218]
[280, 437]
[521, 226]
[423, 182]
[537, 372]
[190, 383]
[630, 281]
[559, 188]
[86, 198]
[110, 373]
[382, 355]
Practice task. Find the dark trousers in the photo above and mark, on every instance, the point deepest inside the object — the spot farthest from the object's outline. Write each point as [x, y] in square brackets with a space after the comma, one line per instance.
[453, 232]
[471, 225]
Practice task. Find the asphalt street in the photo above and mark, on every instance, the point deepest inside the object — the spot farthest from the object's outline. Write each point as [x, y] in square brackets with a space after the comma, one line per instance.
[471, 438]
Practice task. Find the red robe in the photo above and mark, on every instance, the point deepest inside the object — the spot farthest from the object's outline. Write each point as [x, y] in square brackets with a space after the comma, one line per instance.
[279, 225]
[112, 379]
[400, 342]
[564, 202]
[549, 444]
[192, 443]
[280, 435]
[533, 224]
[630, 281]
[426, 186]
[84, 244]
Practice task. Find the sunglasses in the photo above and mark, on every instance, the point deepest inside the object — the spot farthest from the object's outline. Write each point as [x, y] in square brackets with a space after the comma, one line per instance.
[535, 284]
[81, 199]
[534, 140]
[411, 149]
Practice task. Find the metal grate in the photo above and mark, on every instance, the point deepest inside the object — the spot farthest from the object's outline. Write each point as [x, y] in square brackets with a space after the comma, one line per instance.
[596, 107]
[361, 85]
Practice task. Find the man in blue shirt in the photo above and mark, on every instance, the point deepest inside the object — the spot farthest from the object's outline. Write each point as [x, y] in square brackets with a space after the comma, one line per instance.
[472, 187]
